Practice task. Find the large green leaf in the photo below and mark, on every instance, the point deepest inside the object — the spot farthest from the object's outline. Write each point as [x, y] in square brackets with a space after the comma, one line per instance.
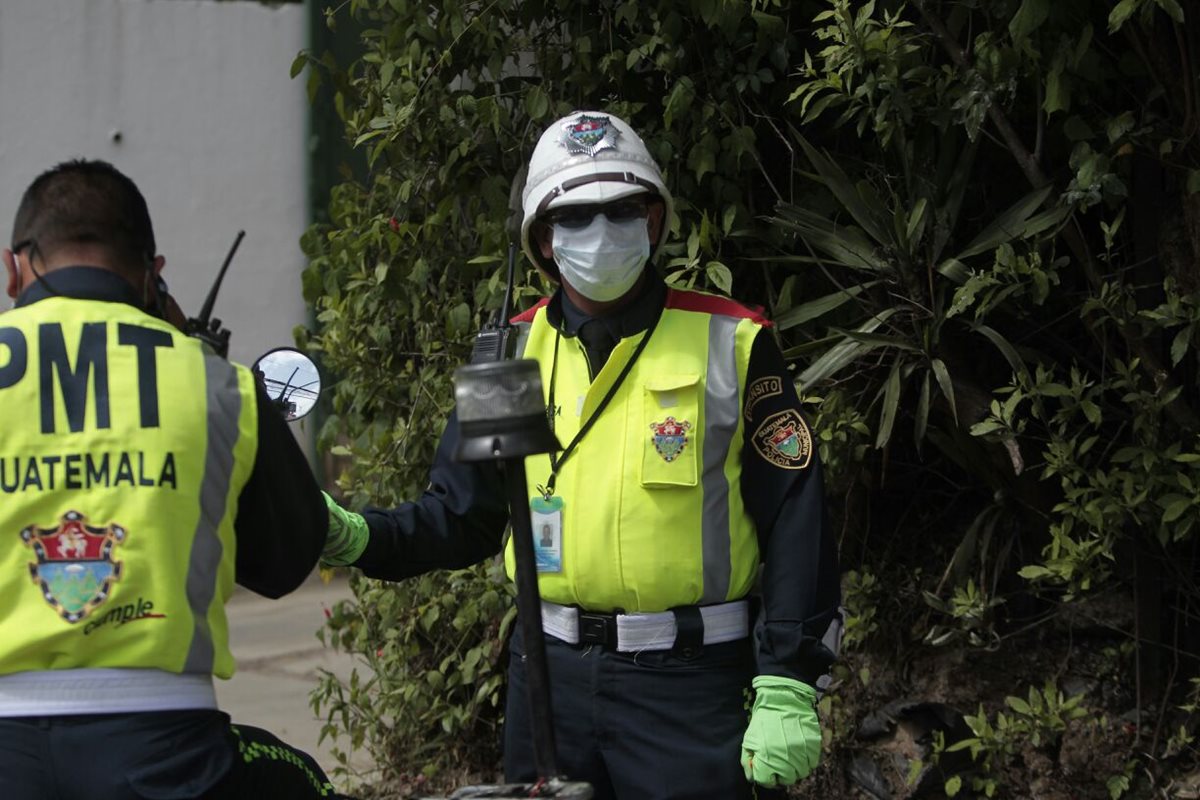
[1121, 12]
[819, 307]
[922, 414]
[843, 353]
[857, 200]
[1005, 347]
[1045, 220]
[947, 386]
[1008, 226]
[891, 402]
[815, 346]
[845, 245]
[1030, 15]
[915, 227]
[955, 270]
[955, 190]
[875, 340]
[830, 363]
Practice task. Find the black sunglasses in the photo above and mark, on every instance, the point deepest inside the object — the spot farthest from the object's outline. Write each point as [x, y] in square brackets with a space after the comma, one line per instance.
[580, 216]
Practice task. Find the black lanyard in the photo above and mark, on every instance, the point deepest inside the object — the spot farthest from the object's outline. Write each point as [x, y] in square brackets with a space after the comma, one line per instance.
[556, 462]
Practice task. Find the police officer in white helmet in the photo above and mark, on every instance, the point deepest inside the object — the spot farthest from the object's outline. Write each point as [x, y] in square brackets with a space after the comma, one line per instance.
[579, 167]
[689, 582]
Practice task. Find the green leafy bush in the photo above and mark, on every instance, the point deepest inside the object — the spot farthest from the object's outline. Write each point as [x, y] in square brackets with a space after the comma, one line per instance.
[973, 222]
[444, 105]
[1038, 721]
[997, 302]
[427, 704]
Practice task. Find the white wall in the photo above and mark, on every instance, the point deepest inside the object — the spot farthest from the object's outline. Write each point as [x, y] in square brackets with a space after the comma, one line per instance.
[211, 129]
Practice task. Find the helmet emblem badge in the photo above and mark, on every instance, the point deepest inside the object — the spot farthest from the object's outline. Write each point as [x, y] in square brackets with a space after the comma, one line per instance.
[589, 135]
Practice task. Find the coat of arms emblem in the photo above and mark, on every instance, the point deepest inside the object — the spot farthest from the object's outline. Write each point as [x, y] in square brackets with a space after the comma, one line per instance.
[75, 569]
[786, 441]
[670, 437]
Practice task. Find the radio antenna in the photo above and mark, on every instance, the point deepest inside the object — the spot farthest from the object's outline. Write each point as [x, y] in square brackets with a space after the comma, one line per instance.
[211, 300]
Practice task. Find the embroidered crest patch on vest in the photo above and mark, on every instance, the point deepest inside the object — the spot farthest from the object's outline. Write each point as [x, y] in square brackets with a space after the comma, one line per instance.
[75, 569]
[784, 440]
[670, 437]
[589, 135]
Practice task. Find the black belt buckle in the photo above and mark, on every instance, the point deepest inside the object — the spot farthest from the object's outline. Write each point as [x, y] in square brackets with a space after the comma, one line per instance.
[598, 629]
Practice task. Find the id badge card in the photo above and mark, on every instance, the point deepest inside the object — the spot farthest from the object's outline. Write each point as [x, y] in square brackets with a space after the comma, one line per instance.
[546, 514]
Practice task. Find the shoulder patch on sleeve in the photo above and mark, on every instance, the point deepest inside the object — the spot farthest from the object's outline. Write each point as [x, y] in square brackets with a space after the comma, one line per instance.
[783, 439]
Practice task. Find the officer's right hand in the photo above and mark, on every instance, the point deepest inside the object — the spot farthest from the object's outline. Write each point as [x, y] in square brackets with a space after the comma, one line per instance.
[347, 537]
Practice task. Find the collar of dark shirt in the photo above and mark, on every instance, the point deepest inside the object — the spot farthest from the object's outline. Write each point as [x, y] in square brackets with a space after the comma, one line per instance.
[625, 322]
[81, 283]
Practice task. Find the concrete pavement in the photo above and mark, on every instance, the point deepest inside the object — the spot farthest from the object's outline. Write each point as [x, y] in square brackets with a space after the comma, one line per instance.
[278, 655]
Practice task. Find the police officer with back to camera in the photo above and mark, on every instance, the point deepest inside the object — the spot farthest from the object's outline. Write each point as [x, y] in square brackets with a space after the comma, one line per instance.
[688, 565]
[141, 475]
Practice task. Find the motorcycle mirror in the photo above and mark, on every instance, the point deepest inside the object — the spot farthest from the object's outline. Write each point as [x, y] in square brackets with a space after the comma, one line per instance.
[290, 379]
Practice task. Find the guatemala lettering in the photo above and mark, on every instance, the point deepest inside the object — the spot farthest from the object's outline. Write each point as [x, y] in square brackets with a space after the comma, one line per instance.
[77, 372]
[86, 471]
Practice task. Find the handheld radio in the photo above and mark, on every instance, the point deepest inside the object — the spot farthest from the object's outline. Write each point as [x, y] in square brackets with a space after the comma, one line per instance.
[498, 341]
[204, 327]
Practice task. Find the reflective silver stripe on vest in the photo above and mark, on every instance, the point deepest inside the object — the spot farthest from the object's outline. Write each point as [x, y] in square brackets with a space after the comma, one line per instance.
[722, 404]
[224, 410]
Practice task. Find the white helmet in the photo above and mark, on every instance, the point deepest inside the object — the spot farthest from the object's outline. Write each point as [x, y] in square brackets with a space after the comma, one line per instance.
[588, 157]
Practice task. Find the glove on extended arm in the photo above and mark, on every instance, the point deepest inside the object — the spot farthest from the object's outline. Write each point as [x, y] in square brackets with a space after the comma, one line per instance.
[347, 537]
[783, 741]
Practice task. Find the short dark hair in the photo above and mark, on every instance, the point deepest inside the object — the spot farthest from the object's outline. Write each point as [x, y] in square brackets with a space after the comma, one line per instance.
[86, 202]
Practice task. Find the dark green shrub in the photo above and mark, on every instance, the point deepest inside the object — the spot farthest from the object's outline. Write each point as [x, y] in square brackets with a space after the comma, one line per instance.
[975, 223]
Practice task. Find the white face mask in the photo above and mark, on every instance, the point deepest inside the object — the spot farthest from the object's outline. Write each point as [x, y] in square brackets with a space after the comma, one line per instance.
[603, 260]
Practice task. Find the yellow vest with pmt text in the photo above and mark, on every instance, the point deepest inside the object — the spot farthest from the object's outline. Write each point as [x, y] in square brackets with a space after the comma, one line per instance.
[124, 450]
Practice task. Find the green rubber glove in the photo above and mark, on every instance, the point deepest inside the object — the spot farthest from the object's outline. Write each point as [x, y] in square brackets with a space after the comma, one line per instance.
[347, 537]
[783, 740]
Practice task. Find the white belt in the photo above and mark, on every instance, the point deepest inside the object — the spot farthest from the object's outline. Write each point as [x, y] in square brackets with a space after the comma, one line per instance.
[725, 622]
[108, 690]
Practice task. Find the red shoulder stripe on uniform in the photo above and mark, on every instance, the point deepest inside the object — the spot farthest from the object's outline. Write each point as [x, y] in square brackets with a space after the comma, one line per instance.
[527, 316]
[714, 304]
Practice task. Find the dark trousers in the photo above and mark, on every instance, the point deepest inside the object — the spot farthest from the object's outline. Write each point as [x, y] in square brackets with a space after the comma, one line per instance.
[651, 726]
[168, 755]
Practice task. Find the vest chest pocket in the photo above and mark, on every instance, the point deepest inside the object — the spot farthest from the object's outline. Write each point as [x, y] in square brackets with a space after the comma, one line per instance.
[670, 430]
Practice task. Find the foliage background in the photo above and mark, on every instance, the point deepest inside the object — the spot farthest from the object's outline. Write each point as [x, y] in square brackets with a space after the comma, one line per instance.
[976, 223]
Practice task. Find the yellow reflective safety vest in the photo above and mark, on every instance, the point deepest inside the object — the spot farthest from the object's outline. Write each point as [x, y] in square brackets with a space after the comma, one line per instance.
[124, 450]
[652, 513]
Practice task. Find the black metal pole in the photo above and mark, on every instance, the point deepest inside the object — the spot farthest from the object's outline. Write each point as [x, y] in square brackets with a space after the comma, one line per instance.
[529, 616]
